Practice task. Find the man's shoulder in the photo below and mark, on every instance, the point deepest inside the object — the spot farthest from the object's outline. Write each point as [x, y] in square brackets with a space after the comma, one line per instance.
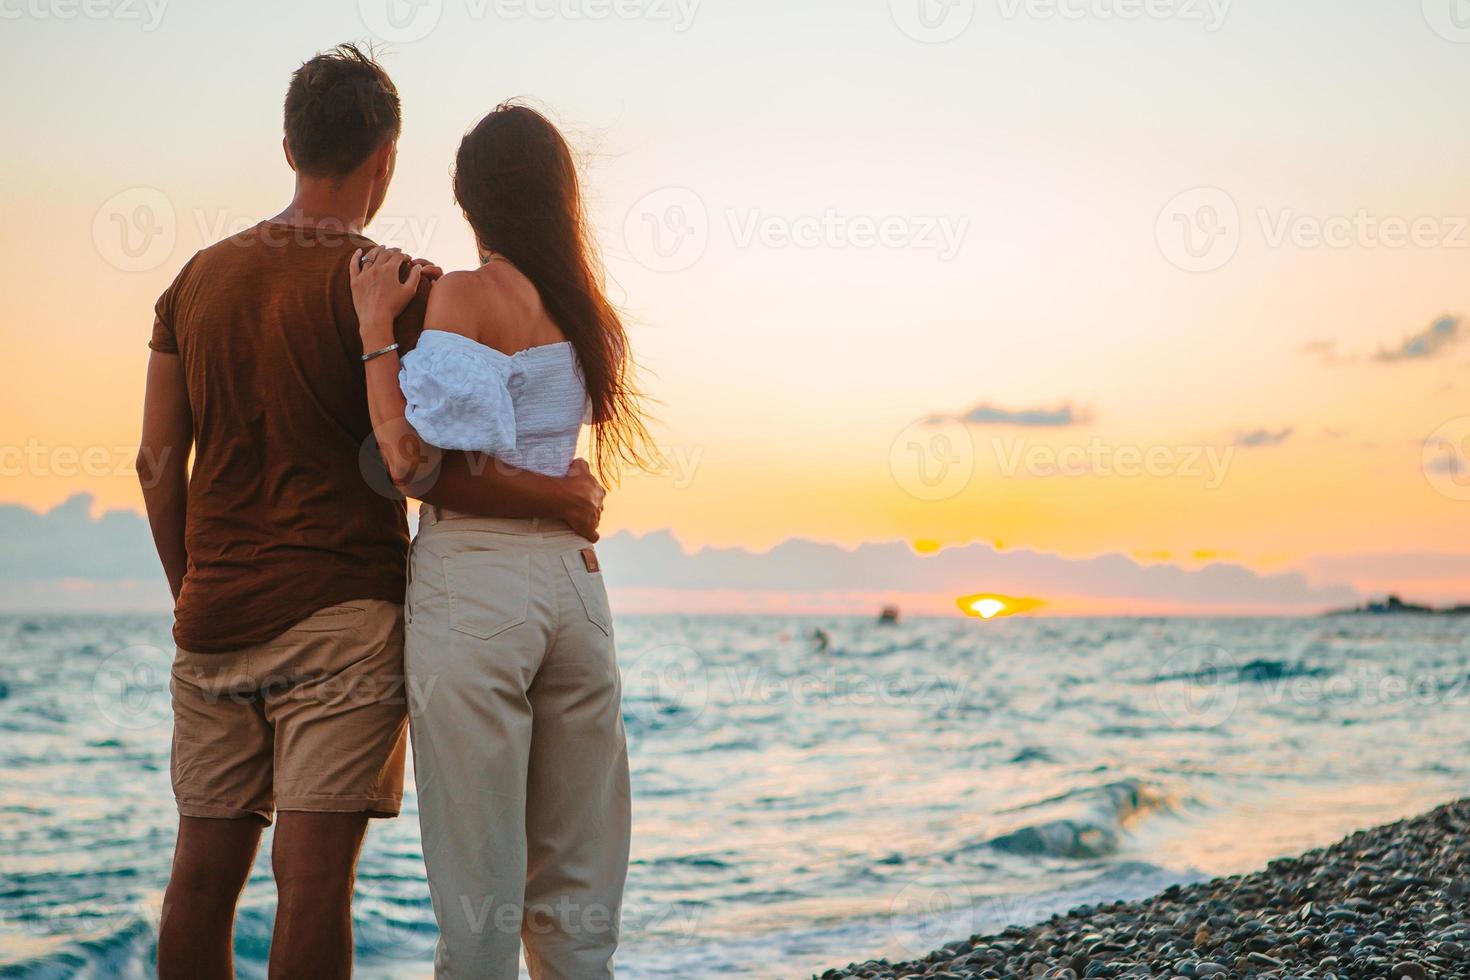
[270, 240]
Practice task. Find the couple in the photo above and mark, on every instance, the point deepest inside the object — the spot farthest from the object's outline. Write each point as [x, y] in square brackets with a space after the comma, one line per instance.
[297, 361]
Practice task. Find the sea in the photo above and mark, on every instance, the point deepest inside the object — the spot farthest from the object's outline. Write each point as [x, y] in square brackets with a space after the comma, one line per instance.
[808, 792]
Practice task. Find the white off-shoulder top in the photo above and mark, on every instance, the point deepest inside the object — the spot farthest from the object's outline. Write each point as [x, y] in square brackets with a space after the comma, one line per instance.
[525, 409]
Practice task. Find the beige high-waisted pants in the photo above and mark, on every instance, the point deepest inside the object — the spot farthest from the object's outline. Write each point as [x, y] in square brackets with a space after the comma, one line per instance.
[518, 746]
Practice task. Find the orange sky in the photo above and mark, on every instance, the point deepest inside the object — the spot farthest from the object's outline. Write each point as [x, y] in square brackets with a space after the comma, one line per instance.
[828, 233]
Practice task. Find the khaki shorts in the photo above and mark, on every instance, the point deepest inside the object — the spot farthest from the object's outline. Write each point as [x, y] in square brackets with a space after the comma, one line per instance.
[313, 719]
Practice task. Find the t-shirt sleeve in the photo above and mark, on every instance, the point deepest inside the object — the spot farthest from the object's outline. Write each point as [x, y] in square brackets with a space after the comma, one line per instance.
[406, 328]
[165, 340]
[410, 322]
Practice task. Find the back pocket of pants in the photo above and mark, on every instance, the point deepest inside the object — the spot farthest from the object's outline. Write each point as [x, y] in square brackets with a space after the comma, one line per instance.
[488, 591]
[590, 589]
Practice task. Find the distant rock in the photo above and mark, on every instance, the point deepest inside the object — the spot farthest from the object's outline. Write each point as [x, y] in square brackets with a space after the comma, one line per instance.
[1394, 606]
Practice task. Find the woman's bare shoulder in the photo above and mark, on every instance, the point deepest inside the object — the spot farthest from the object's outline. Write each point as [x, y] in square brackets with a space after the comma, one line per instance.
[471, 304]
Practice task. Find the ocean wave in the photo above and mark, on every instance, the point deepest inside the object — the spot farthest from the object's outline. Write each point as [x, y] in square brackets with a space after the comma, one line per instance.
[1094, 831]
[123, 954]
[1258, 671]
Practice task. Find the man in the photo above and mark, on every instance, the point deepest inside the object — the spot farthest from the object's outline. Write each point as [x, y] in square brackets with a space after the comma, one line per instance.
[285, 554]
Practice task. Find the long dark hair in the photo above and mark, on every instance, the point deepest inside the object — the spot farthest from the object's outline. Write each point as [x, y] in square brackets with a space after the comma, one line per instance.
[515, 179]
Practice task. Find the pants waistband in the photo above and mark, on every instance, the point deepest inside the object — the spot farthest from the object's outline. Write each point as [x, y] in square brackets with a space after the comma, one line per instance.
[430, 515]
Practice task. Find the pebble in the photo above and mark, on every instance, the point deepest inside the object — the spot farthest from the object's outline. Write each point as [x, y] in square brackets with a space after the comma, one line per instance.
[1391, 903]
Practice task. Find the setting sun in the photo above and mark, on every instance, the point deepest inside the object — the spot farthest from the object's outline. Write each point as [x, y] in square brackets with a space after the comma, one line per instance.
[987, 606]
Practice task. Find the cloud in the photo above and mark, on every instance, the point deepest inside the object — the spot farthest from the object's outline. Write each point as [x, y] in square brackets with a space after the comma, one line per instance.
[1424, 576]
[1437, 338]
[68, 559]
[1448, 465]
[1264, 437]
[656, 561]
[1324, 350]
[1042, 418]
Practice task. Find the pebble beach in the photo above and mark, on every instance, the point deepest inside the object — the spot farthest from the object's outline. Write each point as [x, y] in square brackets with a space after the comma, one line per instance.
[1392, 902]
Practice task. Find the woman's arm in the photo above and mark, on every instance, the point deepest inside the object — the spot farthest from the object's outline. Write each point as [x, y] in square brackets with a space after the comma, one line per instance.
[379, 297]
[469, 482]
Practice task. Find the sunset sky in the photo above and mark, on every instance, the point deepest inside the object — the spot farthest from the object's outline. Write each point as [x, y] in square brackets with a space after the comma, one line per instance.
[1181, 285]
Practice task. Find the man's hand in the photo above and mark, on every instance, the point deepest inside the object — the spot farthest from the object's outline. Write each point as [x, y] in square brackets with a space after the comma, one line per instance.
[583, 506]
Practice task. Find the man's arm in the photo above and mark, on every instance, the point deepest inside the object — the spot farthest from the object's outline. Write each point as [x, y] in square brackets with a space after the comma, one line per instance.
[163, 462]
[473, 483]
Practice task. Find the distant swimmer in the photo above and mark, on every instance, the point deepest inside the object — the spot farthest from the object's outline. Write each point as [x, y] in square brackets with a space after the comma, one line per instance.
[822, 641]
[889, 616]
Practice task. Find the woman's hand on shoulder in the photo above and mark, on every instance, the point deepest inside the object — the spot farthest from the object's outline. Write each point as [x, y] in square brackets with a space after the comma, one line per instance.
[380, 290]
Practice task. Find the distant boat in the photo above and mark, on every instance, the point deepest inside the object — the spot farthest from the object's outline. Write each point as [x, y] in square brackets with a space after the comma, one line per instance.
[889, 616]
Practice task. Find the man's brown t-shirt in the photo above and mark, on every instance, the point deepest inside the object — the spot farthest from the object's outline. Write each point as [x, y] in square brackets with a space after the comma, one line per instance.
[289, 510]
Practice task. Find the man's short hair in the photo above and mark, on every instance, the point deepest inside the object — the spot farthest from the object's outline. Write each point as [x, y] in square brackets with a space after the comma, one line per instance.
[341, 106]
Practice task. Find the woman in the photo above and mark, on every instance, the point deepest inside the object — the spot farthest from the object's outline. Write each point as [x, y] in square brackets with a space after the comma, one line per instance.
[518, 742]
